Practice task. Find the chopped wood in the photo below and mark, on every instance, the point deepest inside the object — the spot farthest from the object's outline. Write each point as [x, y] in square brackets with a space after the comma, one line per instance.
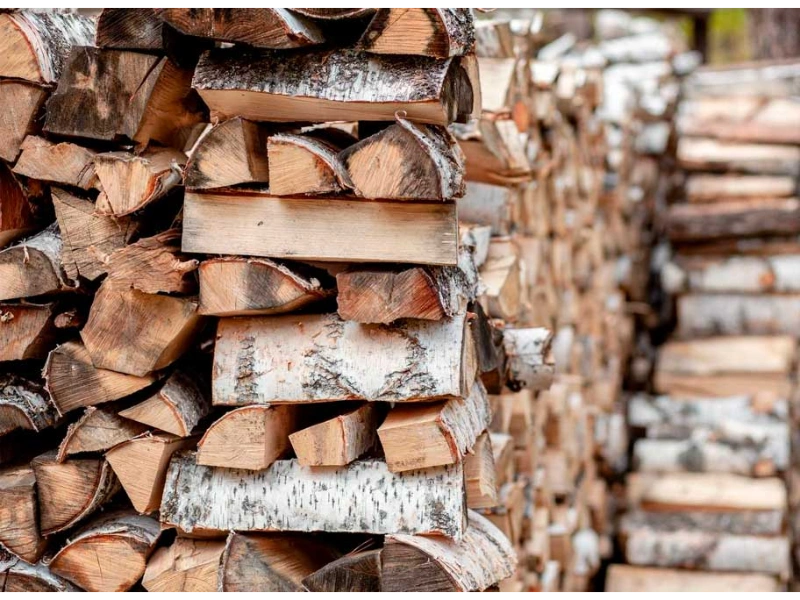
[480, 474]
[16, 215]
[156, 330]
[319, 358]
[26, 331]
[20, 576]
[97, 430]
[353, 572]
[305, 164]
[437, 32]
[711, 188]
[74, 382]
[406, 161]
[125, 29]
[701, 315]
[185, 566]
[251, 437]
[19, 526]
[627, 578]
[70, 491]
[62, 163]
[307, 86]
[235, 286]
[421, 436]
[503, 294]
[434, 564]
[334, 14]
[337, 441]
[704, 154]
[24, 405]
[362, 497]
[141, 466]
[494, 152]
[33, 267]
[735, 218]
[23, 101]
[262, 225]
[734, 274]
[109, 554]
[489, 205]
[527, 358]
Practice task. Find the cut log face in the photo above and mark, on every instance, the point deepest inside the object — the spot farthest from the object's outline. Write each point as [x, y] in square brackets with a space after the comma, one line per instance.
[406, 161]
[503, 293]
[251, 437]
[157, 330]
[628, 578]
[70, 491]
[489, 205]
[319, 358]
[437, 32]
[303, 164]
[735, 218]
[141, 466]
[527, 358]
[73, 382]
[236, 286]
[24, 405]
[62, 163]
[353, 572]
[229, 153]
[274, 86]
[16, 216]
[480, 474]
[23, 577]
[26, 331]
[481, 559]
[185, 566]
[421, 436]
[19, 528]
[24, 101]
[109, 554]
[140, 29]
[33, 267]
[338, 441]
[363, 497]
[35, 44]
[97, 430]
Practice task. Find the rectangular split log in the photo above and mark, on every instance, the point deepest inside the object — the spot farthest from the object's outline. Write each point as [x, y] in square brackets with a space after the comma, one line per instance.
[733, 274]
[491, 205]
[19, 528]
[711, 188]
[480, 474]
[735, 218]
[628, 578]
[701, 315]
[703, 154]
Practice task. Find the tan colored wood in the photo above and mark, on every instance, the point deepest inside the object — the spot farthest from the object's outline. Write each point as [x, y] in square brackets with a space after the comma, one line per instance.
[337, 441]
[480, 474]
[627, 578]
[26, 331]
[758, 355]
[502, 297]
[62, 163]
[705, 154]
[304, 164]
[357, 571]
[437, 32]
[32, 267]
[19, 528]
[16, 215]
[24, 102]
[185, 566]
[97, 430]
[19, 576]
[711, 188]
[734, 218]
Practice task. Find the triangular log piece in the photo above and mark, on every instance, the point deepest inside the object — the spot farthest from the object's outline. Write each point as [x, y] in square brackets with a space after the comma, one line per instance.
[711, 188]
[406, 161]
[257, 224]
[20, 576]
[24, 405]
[26, 331]
[477, 238]
[482, 558]
[528, 360]
[307, 86]
[704, 154]
[337, 441]
[113, 94]
[503, 453]
[125, 29]
[305, 164]
[130, 182]
[176, 408]
[23, 102]
[437, 32]
[428, 435]
[33, 267]
[16, 215]
[62, 163]
[353, 572]
[19, 527]
[480, 474]
[109, 554]
[503, 293]
[73, 382]
[185, 566]
[734, 218]
[494, 152]
[334, 14]
[229, 153]
[319, 358]
[491, 205]
[157, 330]
[141, 466]
[364, 497]
[97, 430]
[251, 437]
[70, 491]
[628, 578]
[276, 28]
[235, 286]
[489, 350]
[35, 45]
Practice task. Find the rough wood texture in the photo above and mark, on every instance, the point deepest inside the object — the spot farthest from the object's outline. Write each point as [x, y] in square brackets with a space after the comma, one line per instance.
[263, 225]
[701, 315]
[490, 205]
[710, 188]
[417, 502]
[337, 441]
[734, 218]
[503, 289]
[125, 29]
[251, 437]
[480, 474]
[19, 576]
[26, 331]
[733, 274]
[62, 163]
[33, 267]
[73, 382]
[702, 154]
[308, 86]
[16, 216]
[185, 566]
[775, 121]
[437, 32]
[24, 405]
[305, 164]
[35, 45]
[109, 554]
[429, 564]
[258, 286]
[319, 358]
[23, 102]
[528, 362]
[627, 578]
[353, 572]
[19, 527]
[97, 430]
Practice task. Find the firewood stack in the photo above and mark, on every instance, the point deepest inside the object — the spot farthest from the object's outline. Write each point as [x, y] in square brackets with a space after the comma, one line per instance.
[713, 459]
[242, 343]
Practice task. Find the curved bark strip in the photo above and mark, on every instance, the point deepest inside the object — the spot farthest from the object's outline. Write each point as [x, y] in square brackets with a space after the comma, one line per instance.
[527, 358]
[24, 102]
[97, 430]
[33, 267]
[185, 566]
[353, 572]
[27, 331]
[338, 441]
[304, 164]
[24, 405]
[20, 576]
[19, 526]
[429, 564]
[334, 14]
[627, 578]
[363, 497]
[437, 32]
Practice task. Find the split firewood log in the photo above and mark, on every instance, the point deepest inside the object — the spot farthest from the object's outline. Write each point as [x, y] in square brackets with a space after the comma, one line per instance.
[710, 188]
[63, 163]
[19, 525]
[437, 32]
[629, 578]
[705, 154]
[337, 441]
[490, 205]
[480, 474]
[353, 572]
[24, 101]
[16, 214]
[334, 14]
[33, 267]
[701, 315]
[20, 576]
[527, 358]
[27, 331]
[503, 293]
[185, 566]
[98, 430]
[305, 164]
[733, 274]
[24, 405]
[736, 218]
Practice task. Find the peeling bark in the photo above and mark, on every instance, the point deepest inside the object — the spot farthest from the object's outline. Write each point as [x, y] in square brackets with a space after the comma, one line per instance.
[23, 405]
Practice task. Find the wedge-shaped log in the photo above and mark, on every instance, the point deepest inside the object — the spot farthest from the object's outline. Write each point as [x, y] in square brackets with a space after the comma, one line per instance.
[337, 441]
[628, 578]
[438, 32]
[319, 358]
[430, 564]
[494, 152]
[26, 331]
[307, 86]
[70, 491]
[701, 315]
[19, 527]
[363, 497]
[480, 474]
[141, 29]
[113, 94]
[251, 437]
[527, 358]
[734, 274]
[353, 572]
[229, 153]
[23, 101]
[97, 430]
[234, 286]
[24, 405]
[35, 45]
[73, 382]
[62, 163]
[156, 331]
[141, 466]
[185, 566]
[109, 554]
[502, 297]
[734, 218]
[20, 576]
[704, 154]
[33, 267]
[276, 28]
[710, 188]
[248, 223]
[305, 164]
[16, 216]
[407, 161]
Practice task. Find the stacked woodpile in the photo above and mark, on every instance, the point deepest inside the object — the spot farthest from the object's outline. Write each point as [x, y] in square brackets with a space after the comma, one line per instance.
[708, 504]
[241, 335]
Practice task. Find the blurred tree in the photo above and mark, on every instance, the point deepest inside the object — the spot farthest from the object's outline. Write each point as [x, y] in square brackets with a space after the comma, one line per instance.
[775, 32]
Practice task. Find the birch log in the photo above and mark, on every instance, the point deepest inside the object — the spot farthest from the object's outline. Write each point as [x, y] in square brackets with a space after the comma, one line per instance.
[20, 576]
[710, 188]
[438, 32]
[701, 315]
[97, 430]
[23, 405]
[363, 497]
[338, 441]
[62, 163]
[185, 566]
[33, 267]
[305, 164]
[527, 358]
[480, 474]
[704, 154]
[735, 274]
[19, 525]
[735, 218]
[353, 572]
[27, 331]
[704, 455]
[627, 578]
